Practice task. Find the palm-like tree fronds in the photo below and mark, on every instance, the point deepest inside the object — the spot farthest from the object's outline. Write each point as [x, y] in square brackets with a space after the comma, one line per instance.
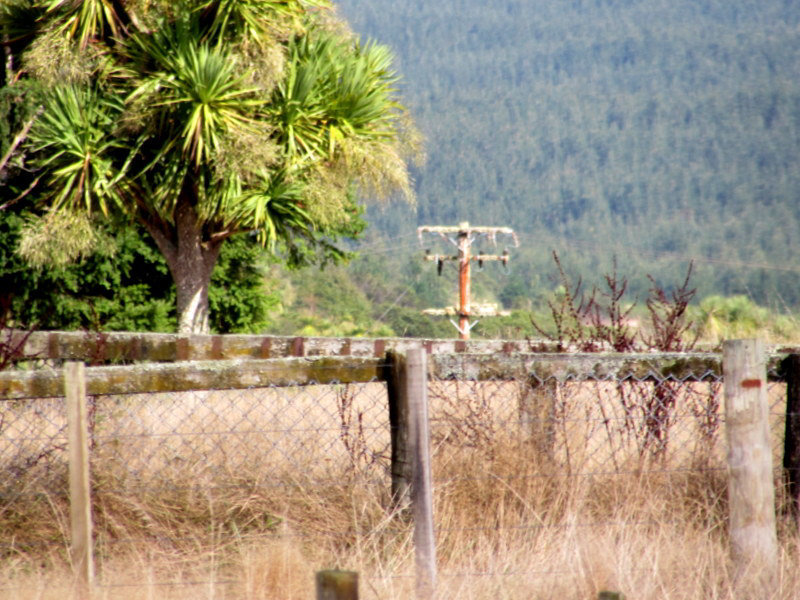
[275, 210]
[85, 164]
[207, 118]
[252, 20]
[20, 21]
[86, 20]
[194, 90]
[334, 90]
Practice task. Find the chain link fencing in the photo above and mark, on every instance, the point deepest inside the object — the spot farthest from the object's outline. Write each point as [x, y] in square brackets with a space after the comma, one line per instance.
[515, 460]
[595, 426]
[573, 468]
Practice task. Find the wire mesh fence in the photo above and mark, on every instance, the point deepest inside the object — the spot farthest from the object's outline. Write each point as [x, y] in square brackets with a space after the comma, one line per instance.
[314, 433]
[594, 426]
[180, 476]
[598, 463]
[33, 471]
[516, 460]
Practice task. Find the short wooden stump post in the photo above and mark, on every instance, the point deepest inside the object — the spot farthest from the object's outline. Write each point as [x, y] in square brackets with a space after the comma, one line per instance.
[337, 585]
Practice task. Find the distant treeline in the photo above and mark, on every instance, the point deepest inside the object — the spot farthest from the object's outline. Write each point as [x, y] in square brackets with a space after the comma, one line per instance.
[645, 129]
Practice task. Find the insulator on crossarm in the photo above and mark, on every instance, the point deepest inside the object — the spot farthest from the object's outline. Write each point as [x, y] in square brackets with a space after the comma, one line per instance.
[439, 265]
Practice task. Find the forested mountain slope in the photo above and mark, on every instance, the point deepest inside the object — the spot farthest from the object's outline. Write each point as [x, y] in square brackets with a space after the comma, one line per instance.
[653, 130]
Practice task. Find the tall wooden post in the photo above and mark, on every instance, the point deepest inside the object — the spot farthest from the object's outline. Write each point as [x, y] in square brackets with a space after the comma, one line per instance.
[412, 484]
[402, 463]
[751, 494]
[422, 483]
[791, 440]
[79, 491]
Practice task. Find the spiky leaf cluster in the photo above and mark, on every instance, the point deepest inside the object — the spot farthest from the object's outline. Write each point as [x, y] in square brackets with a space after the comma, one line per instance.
[262, 112]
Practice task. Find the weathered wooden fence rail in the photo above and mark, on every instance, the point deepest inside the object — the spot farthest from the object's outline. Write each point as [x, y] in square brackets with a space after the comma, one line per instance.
[116, 347]
[247, 373]
[195, 375]
[125, 347]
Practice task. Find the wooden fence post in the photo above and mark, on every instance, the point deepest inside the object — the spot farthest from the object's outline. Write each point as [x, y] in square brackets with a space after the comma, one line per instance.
[79, 491]
[790, 368]
[537, 401]
[751, 494]
[407, 386]
[402, 463]
[416, 386]
[337, 585]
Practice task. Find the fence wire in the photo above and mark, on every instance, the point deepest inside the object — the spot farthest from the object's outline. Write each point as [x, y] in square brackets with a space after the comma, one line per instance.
[524, 462]
[594, 426]
[513, 459]
[313, 434]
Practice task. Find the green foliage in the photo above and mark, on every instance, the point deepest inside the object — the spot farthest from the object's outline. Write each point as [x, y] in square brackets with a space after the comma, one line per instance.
[70, 143]
[410, 322]
[203, 120]
[238, 298]
[736, 316]
[719, 318]
[325, 302]
[127, 286]
[514, 326]
[17, 104]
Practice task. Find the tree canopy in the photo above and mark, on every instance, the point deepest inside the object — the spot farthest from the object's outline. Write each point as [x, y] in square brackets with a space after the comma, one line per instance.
[199, 120]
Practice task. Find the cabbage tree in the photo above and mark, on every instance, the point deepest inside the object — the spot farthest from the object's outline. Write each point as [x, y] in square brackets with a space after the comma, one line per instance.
[205, 119]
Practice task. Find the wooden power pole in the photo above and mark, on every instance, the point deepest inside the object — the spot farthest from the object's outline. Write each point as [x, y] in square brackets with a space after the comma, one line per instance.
[465, 236]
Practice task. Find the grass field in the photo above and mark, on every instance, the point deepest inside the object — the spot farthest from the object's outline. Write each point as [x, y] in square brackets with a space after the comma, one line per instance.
[244, 495]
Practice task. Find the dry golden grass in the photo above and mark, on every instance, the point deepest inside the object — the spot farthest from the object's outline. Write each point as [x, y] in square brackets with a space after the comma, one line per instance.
[512, 521]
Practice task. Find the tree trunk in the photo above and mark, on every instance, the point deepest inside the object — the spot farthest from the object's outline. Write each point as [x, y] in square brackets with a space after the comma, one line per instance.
[190, 261]
[192, 276]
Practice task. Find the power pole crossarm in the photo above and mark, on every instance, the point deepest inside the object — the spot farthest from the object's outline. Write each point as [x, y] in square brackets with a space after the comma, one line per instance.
[474, 257]
[465, 226]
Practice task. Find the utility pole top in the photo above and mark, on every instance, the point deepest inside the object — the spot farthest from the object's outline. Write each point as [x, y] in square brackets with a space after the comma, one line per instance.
[464, 227]
[465, 236]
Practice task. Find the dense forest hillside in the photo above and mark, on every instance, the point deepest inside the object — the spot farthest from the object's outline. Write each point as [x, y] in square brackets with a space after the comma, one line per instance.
[650, 130]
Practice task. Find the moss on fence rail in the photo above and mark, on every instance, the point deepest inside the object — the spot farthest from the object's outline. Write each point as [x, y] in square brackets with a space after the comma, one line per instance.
[225, 374]
[577, 366]
[126, 347]
[195, 375]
